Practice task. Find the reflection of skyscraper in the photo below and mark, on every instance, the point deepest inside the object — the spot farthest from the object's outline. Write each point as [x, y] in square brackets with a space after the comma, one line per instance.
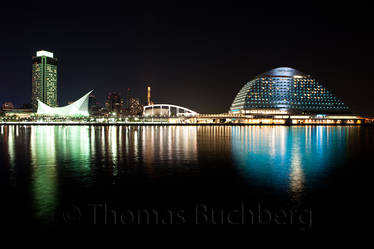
[114, 103]
[47, 145]
[44, 79]
[175, 144]
[43, 161]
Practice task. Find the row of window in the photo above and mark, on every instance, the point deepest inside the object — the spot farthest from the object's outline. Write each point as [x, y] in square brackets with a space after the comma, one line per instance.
[295, 101]
[300, 107]
[300, 93]
[311, 99]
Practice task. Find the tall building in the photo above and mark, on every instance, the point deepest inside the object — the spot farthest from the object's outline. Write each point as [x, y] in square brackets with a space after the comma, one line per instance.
[285, 90]
[91, 101]
[135, 107]
[114, 103]
[44, 79]
[92, 104]
[128, 98]
[149, 101]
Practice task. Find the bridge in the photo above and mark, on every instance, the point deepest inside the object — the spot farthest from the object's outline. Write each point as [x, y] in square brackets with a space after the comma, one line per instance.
[167, 110]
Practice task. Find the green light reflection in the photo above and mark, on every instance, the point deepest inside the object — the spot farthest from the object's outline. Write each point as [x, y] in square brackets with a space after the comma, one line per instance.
[44, 172]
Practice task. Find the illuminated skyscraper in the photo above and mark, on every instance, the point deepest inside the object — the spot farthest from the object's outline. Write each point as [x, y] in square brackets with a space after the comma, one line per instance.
[44, 79]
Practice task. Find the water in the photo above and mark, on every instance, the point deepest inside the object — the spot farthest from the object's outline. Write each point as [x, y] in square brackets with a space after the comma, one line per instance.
[56, 175]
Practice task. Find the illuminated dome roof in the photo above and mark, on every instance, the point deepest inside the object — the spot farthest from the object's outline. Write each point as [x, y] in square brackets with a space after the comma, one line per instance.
[284, 71]
[288, 90]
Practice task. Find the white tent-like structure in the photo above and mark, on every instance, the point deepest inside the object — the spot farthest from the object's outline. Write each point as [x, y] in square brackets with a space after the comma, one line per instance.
[78, 108]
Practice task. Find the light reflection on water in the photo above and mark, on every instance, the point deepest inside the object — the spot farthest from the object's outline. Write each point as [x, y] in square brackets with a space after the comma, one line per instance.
[285, 159]
[288, 158]
[44, 172]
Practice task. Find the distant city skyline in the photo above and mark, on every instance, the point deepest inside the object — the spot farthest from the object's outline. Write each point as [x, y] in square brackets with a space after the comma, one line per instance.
[193, 57]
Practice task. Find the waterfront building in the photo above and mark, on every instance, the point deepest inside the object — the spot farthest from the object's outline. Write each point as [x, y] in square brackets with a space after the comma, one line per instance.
[77, 108]
[128, 96]
[91, 101]
[9, 109]
[114, 103]
[44, 79]
[93, 107]
[286, 91]
[19, 112]
[26, 106]
[7, 106]
[135, 108]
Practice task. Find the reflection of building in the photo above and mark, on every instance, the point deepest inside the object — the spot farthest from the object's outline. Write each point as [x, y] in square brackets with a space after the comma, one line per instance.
[47, 145]
[176, 144]
[44, 79]
[135, 108]
[114, 103]
[43, 152]
[79, 107]
[285, 90]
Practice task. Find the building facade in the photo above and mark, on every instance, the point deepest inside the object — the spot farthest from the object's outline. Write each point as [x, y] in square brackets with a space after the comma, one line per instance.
[92, 101]
[93, 107]
[286, 91]
[8, 106]
[135, 107]
[114, 103]
[44, 79]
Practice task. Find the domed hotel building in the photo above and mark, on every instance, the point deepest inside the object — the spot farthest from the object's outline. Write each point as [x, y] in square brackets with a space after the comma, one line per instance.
[285, 90]
[287, 96]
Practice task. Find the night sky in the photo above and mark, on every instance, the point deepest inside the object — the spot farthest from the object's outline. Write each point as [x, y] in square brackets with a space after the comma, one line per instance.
[196, 57]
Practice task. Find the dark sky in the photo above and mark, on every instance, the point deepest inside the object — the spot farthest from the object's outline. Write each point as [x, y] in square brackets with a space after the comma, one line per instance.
[197, 57]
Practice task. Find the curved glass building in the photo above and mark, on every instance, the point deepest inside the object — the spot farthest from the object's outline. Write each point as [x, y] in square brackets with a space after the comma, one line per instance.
[78, 108]
[285, 90]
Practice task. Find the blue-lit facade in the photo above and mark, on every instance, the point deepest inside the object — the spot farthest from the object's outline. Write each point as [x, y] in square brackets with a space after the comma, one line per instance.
[286, 90]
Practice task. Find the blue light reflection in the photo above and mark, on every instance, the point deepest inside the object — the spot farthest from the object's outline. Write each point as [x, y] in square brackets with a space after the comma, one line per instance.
[288, 159]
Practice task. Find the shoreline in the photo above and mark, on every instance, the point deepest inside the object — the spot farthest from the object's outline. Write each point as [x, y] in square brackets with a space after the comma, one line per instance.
[165, 124]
